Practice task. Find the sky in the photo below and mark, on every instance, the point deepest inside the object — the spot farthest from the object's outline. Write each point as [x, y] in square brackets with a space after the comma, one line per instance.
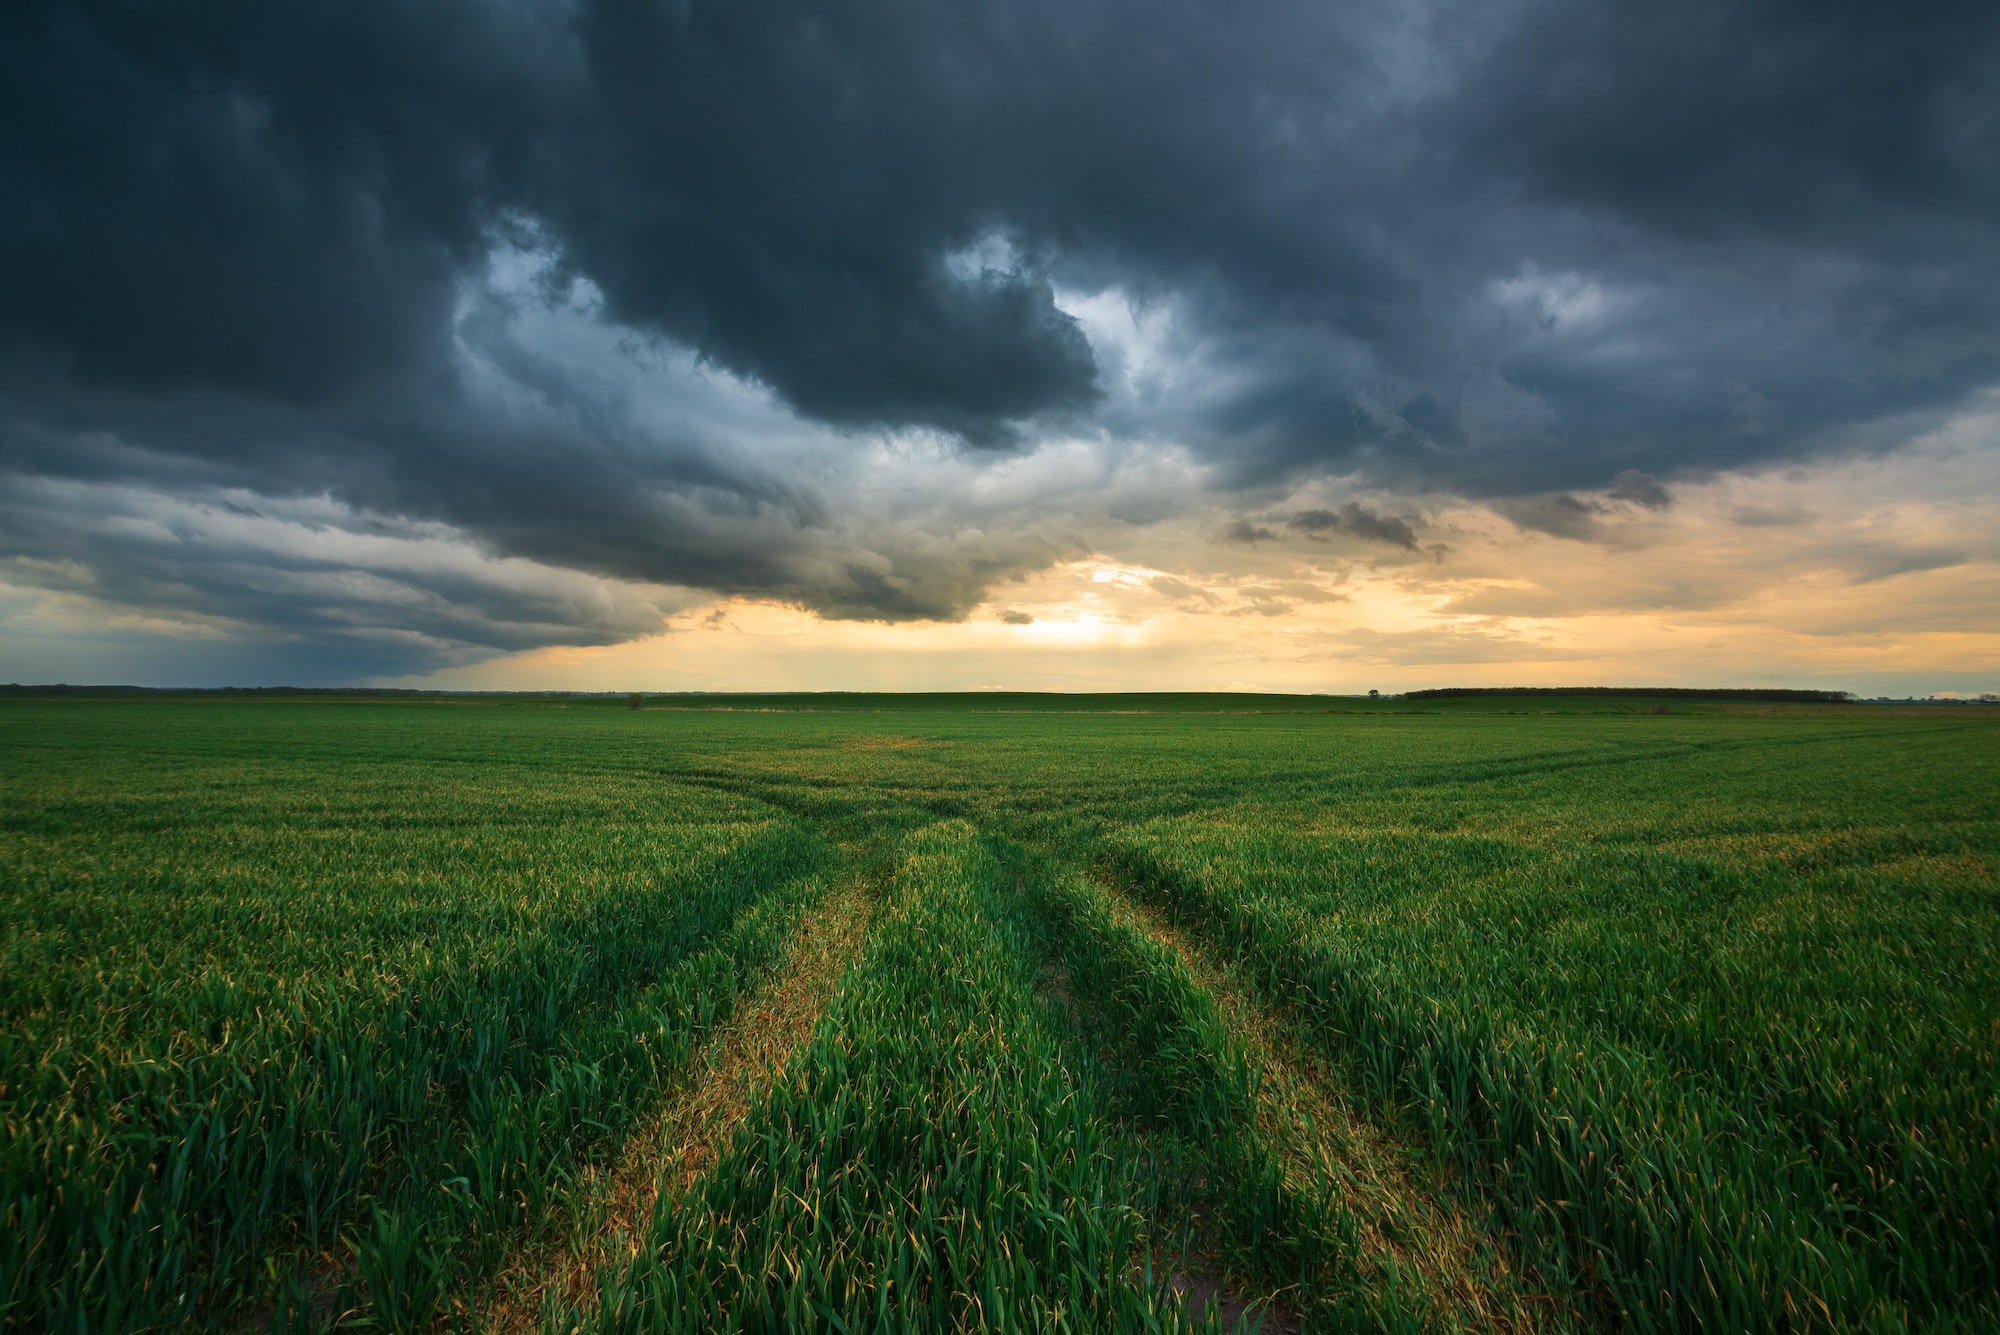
[1092, 345]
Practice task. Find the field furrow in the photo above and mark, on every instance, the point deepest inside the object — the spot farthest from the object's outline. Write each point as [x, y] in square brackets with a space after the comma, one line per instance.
[1411, 1216]
[1300, 1205]
[613, 1206]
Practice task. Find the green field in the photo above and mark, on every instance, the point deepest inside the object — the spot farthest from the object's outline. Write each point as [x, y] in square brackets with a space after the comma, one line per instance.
[1014, 1013]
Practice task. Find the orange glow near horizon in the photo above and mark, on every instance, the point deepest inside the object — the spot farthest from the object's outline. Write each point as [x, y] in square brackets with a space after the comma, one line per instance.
[1703, 593]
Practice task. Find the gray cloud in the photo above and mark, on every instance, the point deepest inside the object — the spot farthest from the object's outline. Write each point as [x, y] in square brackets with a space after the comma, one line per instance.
[343, 594]
[1244, 533]
[1355, 519]
[522, 269]
[1641, 489]
[1561, 515]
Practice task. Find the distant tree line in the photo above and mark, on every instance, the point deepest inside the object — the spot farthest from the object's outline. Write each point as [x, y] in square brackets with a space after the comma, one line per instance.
[1771, 695]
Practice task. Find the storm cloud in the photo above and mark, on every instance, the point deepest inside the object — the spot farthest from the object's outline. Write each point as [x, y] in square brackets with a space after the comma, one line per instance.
[760, 298]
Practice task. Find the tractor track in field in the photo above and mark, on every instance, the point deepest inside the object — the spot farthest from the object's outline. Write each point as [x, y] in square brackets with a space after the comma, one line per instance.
[1310, 1123]
[665, 1156]
[1195, 1278]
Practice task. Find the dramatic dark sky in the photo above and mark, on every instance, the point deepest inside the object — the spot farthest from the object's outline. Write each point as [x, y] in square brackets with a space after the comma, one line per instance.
[343, 340]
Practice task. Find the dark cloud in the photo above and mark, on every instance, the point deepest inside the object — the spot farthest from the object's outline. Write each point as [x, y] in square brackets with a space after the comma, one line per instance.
[1356, 519]
[1727, 121]
[1245, 533]
[1566, 515]
[1642, 489]
[348, 596]
[1528, 254]
[275, 199]
[1561, 515]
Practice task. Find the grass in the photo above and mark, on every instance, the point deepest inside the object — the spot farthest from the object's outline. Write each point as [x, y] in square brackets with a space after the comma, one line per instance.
[1404, 1235]
[612, 1207]
[336, 1013]
[937, 1163]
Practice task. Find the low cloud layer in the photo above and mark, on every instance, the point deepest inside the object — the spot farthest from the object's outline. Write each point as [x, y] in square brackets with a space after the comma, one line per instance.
[870, 309]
